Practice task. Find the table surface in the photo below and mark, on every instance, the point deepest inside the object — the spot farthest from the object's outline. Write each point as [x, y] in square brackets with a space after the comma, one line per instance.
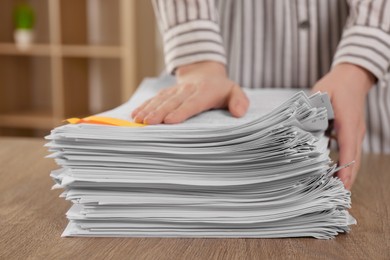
[32, 220]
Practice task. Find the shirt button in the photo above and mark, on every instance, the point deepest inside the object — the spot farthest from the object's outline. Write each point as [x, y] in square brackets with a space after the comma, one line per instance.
[304, 24]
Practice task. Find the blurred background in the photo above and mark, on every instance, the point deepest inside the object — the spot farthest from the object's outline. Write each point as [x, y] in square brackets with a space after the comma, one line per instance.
[71, 58]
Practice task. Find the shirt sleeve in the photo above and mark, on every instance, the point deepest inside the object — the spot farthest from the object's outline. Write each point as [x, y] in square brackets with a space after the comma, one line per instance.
[190, 32]
[366, 37]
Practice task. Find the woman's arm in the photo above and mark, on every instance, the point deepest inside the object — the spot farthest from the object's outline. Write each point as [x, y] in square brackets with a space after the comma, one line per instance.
[190, 32]
[194, 52]
[362, 57]
[366, 38]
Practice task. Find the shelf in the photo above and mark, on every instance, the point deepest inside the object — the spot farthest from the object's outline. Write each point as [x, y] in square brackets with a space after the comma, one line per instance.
[25, 86]
[91, 85]
[90, 22]
[91, 51]
[88, 56]
[82, 51]
[104, 84]
[34, 50]
[29, 119]
[75, 87]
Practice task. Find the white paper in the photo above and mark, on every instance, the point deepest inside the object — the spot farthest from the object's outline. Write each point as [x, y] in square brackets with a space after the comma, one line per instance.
[267, 174]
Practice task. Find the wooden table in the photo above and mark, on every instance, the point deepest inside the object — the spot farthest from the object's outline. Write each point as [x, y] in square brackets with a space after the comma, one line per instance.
[32, 220]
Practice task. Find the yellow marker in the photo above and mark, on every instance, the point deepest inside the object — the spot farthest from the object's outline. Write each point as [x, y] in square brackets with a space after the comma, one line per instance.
[101, 120]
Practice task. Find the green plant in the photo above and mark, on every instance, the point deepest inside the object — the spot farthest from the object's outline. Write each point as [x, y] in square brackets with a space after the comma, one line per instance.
[24, 17]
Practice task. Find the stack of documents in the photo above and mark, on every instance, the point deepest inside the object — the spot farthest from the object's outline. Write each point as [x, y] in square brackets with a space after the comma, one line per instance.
[265, 175]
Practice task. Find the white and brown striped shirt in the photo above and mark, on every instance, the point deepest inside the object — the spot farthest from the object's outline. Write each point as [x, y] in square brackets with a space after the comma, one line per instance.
[285, 43]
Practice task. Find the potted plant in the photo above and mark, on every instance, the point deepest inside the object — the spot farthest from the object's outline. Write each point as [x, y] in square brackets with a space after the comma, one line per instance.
[24, 20]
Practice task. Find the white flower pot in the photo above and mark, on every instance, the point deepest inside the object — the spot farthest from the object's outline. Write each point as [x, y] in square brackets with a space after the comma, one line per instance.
[23, 38]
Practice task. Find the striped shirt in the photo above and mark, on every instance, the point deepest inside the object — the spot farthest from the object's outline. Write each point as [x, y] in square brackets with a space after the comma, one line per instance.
[285, 44]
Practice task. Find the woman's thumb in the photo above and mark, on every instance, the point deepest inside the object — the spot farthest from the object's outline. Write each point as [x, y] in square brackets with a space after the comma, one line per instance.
[238, 102]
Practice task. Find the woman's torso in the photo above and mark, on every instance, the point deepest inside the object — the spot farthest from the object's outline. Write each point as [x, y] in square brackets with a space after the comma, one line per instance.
[290, 44]
[280, 43]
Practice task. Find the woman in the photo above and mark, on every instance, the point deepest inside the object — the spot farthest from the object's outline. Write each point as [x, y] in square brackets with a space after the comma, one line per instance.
[340, 47]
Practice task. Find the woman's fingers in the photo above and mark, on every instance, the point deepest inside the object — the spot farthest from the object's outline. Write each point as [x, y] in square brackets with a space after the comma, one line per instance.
[140, 108]
[193, 105]
[198, 102]
[361, 131]
[150, 106]
[356, 167]
[159, 113]
[238, 102]
[347, 145]
[347, 137]
[196, 95]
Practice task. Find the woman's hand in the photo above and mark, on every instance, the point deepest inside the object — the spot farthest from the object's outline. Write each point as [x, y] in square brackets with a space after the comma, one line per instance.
[200, 87]
[348, 85]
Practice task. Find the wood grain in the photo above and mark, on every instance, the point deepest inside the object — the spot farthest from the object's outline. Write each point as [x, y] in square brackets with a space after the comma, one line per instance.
[32, 220]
